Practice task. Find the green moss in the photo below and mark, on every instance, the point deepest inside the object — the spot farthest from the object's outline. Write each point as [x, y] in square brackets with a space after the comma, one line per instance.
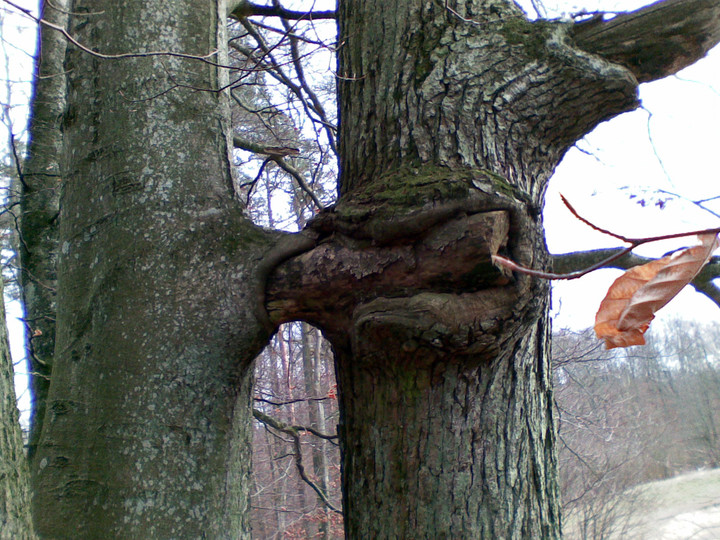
[408, 200]
[414, 186]
[532, 36]
[501, 185]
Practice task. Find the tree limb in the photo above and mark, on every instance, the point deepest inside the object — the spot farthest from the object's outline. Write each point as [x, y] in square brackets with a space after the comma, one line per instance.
[571, 262]
[293, 432]
[276, 154]
[243, 8]
[656, 41]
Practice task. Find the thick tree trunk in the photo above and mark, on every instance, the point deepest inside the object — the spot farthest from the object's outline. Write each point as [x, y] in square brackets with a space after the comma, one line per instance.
[39, 206]
[447, 425]
[147, 431]
[453, 116]
[438, 444]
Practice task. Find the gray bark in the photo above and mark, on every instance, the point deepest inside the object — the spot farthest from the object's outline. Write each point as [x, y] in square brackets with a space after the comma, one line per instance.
[15, 516]
[39, 211]
[147, 431]
[655, 41]
[312, 358]
[453, 117]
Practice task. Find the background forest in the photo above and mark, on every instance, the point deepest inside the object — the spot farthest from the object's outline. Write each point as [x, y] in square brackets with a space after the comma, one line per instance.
[625, 417]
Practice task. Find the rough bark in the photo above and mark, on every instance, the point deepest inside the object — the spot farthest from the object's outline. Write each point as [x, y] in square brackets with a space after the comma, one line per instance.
[656, 41]
[15, 515]
[453, 117]
[39, 211]
[147, 431]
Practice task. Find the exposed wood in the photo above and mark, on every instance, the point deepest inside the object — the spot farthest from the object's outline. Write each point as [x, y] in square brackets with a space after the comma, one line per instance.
[342, 273]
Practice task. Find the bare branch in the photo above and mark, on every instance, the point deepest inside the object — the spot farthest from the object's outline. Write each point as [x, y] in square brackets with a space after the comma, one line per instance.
[276, 154]
[317, 104]
[589, 261]
[71, 39]
[243, 8]
[293, 432]
[568, 263]
[291, 401]
[313, 108]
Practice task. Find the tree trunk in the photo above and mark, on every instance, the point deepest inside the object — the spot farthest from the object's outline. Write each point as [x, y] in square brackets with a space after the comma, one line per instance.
[15, 516]
[39, 211]
[462, 445]
[147, 432]
[453, 117]
[311, 355]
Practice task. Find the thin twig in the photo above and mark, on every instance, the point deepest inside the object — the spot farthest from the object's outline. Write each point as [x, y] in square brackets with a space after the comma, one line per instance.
[643, 240]
[293, 432]
[507, 263]
[634, 242]
[586, 222]
[71, 39]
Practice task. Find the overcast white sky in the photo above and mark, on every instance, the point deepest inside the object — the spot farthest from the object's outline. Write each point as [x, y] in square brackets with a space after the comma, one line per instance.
[672, 144]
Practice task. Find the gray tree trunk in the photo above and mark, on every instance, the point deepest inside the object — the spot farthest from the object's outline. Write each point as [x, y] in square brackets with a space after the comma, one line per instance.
[39, 211]
[312, 358]
[147, 431]
[453, 116]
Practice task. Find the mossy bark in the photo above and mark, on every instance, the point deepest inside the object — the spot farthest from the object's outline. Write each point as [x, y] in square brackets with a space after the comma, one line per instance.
[447, 424]
[453, 117]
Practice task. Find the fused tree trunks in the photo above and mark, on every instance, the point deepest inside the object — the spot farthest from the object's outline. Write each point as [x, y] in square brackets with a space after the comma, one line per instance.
[453, 115]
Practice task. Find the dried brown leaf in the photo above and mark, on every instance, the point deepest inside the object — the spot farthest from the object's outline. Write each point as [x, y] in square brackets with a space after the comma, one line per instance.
[634, 298]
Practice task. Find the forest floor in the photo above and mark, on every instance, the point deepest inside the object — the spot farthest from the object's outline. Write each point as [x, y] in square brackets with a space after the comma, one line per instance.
[681, 508]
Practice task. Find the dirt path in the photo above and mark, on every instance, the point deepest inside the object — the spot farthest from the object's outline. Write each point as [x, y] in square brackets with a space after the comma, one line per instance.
[681, 508]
